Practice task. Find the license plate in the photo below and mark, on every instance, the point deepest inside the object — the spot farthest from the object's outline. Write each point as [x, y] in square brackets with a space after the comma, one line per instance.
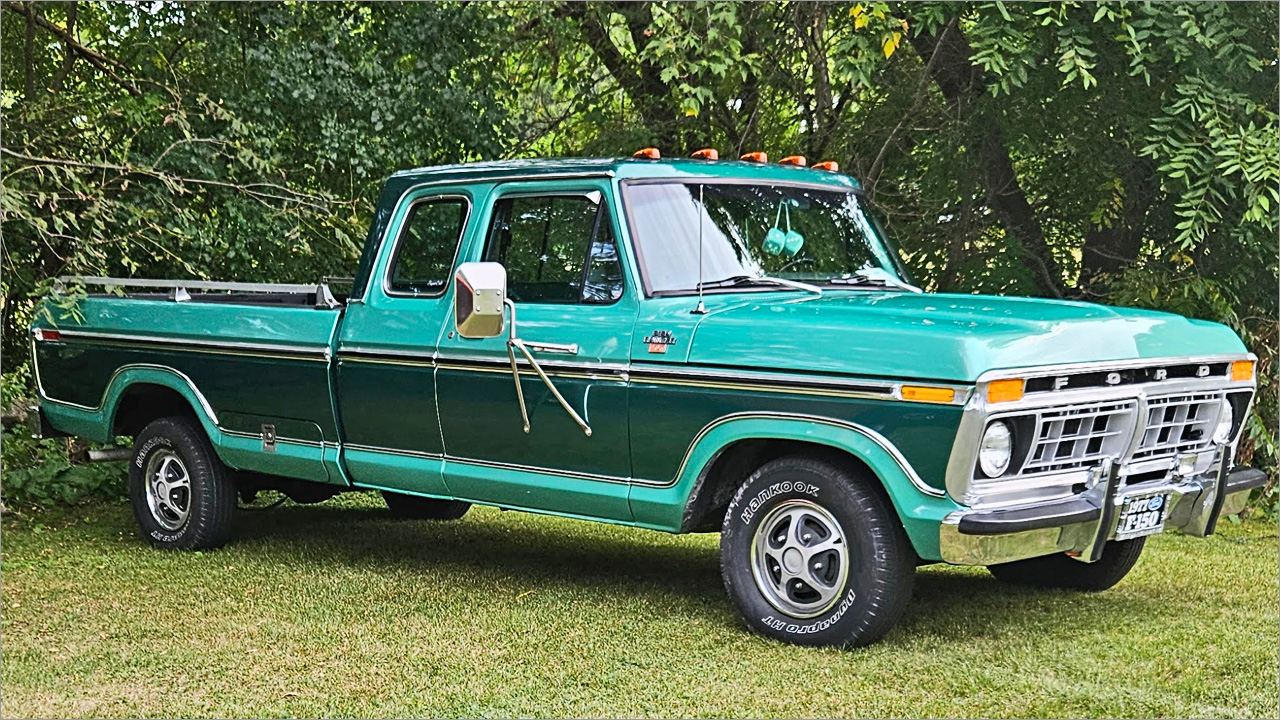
[1142, 516]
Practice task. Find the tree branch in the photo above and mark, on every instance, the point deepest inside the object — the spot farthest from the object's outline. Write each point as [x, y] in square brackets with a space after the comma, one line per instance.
[961, 81]
[106, 65]
[252, 190]
[878, 164]
[68, 55]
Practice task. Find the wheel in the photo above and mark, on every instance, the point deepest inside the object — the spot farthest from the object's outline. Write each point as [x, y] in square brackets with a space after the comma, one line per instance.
[1060, 571]
[813, 554]
[182, 494]
[413, 507]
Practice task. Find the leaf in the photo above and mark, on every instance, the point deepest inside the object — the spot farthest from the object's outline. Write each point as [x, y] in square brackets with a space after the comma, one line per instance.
[891, 44]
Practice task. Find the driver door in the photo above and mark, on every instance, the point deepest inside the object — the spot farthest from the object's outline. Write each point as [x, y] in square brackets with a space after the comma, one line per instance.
[575, 312]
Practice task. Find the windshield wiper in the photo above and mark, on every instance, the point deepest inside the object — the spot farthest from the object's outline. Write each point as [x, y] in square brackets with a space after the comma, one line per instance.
[873, 277]
[741, 280]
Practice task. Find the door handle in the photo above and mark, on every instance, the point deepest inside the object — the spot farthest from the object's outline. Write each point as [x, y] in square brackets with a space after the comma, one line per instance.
[557, 348]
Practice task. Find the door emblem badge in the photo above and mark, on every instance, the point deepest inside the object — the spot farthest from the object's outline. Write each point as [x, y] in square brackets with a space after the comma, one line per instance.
[659, 341]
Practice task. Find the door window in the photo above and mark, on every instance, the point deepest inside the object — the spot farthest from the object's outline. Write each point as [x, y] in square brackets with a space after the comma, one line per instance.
[556, 249]
[427, 246]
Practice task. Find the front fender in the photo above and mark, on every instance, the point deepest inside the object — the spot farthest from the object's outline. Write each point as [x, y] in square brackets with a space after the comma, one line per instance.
[920, 506]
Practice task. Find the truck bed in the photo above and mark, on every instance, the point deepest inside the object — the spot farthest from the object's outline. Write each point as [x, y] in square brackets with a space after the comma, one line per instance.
[258, 356]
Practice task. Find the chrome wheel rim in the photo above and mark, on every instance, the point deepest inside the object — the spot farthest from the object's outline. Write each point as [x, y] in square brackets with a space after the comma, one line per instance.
[168, 489]
[800, 559]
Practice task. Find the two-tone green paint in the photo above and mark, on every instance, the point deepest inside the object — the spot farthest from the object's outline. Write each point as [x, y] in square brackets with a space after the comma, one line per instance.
[384, 394]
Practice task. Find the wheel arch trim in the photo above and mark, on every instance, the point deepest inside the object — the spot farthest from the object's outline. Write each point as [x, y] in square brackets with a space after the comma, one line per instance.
[858, 440]
[129, 376]
[919, 506]
[96, 423]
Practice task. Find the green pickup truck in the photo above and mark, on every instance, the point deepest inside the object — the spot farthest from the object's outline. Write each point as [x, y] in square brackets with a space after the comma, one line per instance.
[682, 345]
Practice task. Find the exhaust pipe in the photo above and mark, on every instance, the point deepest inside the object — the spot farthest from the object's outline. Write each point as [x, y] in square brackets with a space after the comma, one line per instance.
[110, 454]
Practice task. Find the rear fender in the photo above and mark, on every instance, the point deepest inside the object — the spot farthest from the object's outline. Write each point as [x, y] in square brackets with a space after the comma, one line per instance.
[96, 424]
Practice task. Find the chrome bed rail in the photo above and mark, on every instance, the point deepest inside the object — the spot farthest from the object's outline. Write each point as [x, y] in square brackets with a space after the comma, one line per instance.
[179, 290]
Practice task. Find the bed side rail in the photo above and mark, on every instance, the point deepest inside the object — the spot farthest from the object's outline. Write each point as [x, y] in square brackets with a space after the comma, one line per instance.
[179, 290]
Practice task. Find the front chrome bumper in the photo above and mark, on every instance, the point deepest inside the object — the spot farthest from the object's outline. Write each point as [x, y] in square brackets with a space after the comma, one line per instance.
[1082, 524]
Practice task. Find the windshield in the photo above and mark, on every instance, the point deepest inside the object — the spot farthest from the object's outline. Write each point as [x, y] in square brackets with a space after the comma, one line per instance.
[802, 234]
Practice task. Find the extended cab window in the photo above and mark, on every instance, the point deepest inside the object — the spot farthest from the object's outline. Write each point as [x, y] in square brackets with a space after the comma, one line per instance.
[556, 249]
[427, 246]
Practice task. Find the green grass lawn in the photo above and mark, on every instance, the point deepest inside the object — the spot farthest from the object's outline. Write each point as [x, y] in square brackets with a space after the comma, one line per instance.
[336, 609]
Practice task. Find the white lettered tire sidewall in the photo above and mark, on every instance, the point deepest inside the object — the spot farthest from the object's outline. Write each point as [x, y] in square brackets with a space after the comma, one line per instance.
[876, 586]
[212, 498]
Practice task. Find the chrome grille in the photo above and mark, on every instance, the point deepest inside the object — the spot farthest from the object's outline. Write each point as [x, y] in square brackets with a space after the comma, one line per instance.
[1079, 436]
[1179, 423]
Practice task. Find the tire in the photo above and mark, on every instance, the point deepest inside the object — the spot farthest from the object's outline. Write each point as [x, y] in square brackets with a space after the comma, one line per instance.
[413, 507]
[194, 506]
[798, 503]
[1060, 571]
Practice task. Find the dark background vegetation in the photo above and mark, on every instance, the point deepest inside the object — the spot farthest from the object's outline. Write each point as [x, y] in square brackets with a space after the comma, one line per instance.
[1119, 153]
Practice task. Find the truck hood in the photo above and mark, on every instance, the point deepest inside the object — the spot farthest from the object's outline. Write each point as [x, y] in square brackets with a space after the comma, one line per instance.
[942, 336]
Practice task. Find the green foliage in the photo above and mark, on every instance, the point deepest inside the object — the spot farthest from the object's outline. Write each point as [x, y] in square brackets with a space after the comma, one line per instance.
[37, 473]
[243, 140]
[1110, 151]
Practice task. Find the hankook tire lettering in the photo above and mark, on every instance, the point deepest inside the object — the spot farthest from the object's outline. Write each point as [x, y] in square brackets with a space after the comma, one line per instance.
[811, 628]
[775, 489]
[148, 447]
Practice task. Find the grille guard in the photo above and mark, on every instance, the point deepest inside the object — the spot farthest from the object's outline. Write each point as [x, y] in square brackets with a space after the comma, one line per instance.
[969, 489]
[1082, 525]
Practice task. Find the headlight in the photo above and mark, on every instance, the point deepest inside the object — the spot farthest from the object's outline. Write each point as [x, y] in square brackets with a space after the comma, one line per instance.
[1222, 433]
[996, 449]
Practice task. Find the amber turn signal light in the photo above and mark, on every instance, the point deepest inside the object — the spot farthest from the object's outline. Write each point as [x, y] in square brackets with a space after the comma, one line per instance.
[706, 154]
[794, 160]
[1242, 370]
[828, 165]
[650, 153]
[755, 157]
[1004, 390]
[928, 394]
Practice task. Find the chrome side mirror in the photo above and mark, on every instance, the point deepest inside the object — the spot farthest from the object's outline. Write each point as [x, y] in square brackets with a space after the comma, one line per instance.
[480, 294]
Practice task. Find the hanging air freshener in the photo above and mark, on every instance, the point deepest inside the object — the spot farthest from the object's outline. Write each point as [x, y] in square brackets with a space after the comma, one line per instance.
[775, 241]
[792, 241]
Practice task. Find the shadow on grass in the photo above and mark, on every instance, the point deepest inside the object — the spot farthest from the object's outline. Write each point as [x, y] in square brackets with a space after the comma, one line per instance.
[950, 604]
[532, 551]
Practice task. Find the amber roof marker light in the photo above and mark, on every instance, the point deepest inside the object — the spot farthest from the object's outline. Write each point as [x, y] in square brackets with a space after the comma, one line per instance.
[755, 157]
[649, 153]
[797, 160]
[828, 165]
[705, 154]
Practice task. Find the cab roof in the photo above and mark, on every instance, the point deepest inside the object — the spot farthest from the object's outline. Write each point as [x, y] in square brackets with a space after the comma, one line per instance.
[627, 168]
